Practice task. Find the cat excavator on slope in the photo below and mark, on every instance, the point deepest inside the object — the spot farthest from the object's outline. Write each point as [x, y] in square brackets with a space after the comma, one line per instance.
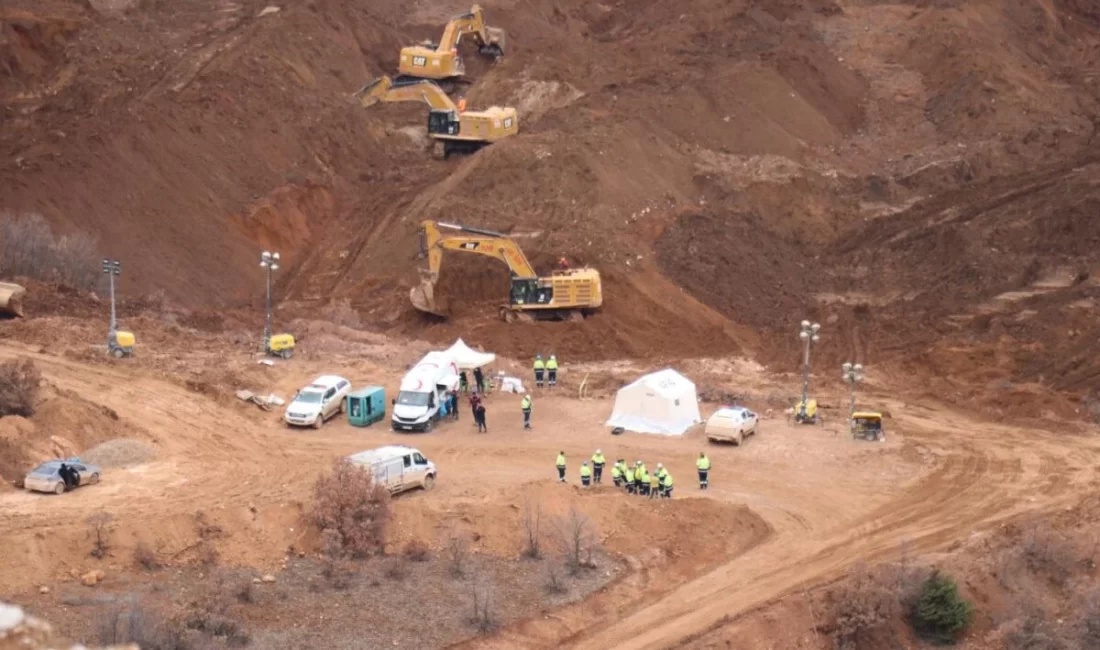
[453, 127]
[440, 61]
[568, 294]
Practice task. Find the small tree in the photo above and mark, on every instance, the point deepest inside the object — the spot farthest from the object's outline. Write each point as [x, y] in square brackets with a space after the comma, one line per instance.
[482, 593]
[577, 537]
[532, 526]
[99, 529]
[351, 510]
[18, 387]
[457, 549]
[941, 614]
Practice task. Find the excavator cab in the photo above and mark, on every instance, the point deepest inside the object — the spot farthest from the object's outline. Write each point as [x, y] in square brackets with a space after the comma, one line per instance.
[443, 122]
[526, 291]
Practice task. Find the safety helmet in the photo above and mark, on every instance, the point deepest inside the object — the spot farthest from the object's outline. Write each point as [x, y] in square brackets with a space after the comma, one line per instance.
[553, 357]
[528, 395]
[598, 451]
[584, 463]
[659, 465]
[538, 356]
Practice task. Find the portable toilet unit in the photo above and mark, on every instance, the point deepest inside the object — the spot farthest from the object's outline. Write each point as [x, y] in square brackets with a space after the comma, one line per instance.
[366, 405]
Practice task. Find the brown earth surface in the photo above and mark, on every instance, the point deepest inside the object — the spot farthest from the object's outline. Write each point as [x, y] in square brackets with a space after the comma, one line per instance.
[917, 176]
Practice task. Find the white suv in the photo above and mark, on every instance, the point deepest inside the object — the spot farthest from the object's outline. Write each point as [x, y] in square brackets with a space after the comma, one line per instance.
[317, 402]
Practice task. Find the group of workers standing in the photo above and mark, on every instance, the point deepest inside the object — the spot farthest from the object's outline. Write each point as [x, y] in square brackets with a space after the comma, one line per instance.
[546, 372]
[636, 478]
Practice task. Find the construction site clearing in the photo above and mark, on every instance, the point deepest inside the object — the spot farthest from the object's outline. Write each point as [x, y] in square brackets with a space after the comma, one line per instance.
[847, 251]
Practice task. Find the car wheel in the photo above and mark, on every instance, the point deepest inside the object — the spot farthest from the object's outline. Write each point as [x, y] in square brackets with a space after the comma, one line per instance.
[287, 353]
[93, 479]
[59, 488]
[429, 425]
[117, 352]
[319, 421]
[429, 482]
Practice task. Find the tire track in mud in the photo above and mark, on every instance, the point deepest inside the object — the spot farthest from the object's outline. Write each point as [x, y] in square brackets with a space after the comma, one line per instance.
[978, 481]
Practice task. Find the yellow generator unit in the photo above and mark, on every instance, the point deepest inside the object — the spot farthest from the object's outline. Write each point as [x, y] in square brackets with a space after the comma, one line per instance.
[121, 344]
[281, 345]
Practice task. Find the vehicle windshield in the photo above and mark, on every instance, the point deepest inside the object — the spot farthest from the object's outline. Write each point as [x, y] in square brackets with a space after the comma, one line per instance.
[410, 398]
[46, 469]
[309, 397]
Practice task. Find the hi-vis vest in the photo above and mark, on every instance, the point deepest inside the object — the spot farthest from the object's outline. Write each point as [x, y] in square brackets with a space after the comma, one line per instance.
[525, 404]
[667, 480]
[703, 463]
[539, 365]
[616, 471]
[598, 459]
[629, 475]
[561, 460]
[586, 471]
[551, 364]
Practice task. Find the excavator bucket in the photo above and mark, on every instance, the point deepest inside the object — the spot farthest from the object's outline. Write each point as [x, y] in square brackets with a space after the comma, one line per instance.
[372, 91]
[496, 45]
[11, 299]
[423, 298]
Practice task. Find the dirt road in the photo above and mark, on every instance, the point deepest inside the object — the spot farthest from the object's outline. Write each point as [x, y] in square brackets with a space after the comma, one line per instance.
[830, 502]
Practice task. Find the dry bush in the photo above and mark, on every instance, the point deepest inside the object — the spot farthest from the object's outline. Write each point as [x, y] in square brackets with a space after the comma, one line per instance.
[396, 570]
[1036, 632]
[532, 526]
[19, 381]
[28, 247]
[457, 550]
[353, 508]
[244, 593]
[99, 530]
[417, 551]
[337, 573]
[862, 612]
[554, 583]
[146, 557]
[577, 538]
[483, 617]
[1048, 554]
[142, 627]
[218, 626]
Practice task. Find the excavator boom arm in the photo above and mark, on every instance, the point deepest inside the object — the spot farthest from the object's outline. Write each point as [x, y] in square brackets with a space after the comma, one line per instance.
[469, 23]
[421, 90]
[472, 240]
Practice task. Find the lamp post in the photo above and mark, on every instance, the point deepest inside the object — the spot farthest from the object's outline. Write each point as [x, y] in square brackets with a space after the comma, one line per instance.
[112, 268]
[269, 261]
[808, 334]
[853, 374]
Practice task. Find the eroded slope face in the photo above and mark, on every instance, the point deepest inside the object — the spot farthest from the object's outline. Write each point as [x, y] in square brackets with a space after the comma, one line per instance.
[729, 166]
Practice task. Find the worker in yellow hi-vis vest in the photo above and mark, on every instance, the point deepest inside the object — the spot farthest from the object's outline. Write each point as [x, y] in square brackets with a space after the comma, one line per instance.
[540, 370]
[552, 371]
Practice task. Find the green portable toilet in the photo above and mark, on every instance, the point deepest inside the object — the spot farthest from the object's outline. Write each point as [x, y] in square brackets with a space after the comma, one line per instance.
[366, 405]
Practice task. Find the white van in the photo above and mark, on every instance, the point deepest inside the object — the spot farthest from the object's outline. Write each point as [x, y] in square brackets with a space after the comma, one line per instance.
[422, 391]
[397, 467]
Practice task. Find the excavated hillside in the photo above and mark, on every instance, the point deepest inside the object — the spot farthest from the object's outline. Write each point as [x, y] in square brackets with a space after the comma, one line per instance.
[915, 174]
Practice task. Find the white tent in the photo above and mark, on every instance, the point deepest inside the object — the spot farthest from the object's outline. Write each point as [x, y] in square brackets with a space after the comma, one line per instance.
[661, 402]
[467, 358]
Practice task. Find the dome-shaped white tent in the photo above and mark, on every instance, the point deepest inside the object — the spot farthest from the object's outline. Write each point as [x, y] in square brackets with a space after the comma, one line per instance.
[661, 402]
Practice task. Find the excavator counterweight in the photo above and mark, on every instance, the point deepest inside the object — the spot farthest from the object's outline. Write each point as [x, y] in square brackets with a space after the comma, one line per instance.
[568, 294]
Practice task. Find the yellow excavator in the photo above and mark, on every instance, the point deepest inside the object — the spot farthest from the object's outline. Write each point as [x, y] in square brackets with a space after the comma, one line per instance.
[440, 61]
[451, 127]
[567, 294]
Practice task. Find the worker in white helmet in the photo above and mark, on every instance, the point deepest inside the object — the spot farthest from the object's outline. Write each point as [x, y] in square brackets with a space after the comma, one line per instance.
[598, 461]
